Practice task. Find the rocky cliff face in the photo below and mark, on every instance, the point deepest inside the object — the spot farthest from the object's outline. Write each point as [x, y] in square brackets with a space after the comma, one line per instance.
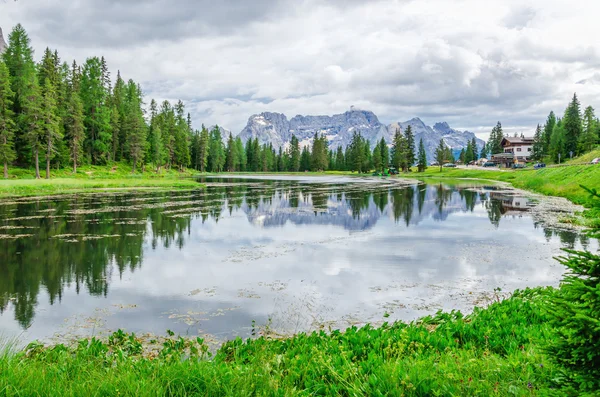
[275, 128]
[2, 42]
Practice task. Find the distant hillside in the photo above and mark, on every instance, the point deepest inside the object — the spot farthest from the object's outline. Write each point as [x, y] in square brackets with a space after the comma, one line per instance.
[275, 128]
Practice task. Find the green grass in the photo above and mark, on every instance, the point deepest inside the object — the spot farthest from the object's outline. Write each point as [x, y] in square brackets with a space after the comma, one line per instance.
[492, 352]
[22, 182]
[585, 158]
[560, 181]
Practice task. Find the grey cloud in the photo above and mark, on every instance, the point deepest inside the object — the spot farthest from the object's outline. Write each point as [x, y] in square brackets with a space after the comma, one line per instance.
[519, 18]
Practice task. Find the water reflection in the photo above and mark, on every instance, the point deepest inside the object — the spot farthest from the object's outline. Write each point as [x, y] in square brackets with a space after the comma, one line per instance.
[80, 242]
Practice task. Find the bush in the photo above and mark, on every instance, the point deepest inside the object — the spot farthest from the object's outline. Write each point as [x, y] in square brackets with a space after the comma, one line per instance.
[575, 317]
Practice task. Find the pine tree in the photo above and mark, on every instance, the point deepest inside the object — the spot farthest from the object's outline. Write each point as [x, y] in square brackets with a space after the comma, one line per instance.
[231, 154]
[216, 151]
[399, 152]
[51, 131]
[572, 126]
[319, 153]
[422, 157]
[441, 154]
[495, 141]
[484, 152]
[461, 155]
[340, 164]
[7, 124]
[181, 151]
[119, 138]
[135, 125]
[295, 154]
[156, 150]
[203, 149]
[409, 147]
[18, 57]
[538, 145]
[589, 137]
[97, 114]
[475, 153]
[385, 153]
[305, 159]
[557, 142]
[377, 160]
[32, 118]
[74, 127]
[240, 162]
[468, 153]
[547, 134]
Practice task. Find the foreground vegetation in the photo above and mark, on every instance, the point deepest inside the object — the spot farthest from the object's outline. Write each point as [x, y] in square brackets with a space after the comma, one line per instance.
[22, 182]
[537, 342]
[492, 352]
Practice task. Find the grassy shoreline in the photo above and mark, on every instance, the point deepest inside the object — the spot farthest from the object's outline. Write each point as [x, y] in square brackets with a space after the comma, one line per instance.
[21, 182]
[495, 351]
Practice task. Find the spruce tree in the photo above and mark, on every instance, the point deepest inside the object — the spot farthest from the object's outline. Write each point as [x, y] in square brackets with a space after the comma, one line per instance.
[468, 153]
[589, 137]
[340, 164]
[32, 117]
[74, 126]
[203, 149]
[240, 162]
[484, 152]
[18, 57]
[51, 131]
[305, 159]
[572, 126]
[409, 147]
[97, 114]
[231, 155]
[537, 153]
[7, 124]
[422, 157]
[547, 133]
[385, 154]
[399, 151]
[377, 160]
[475, 153]
[441, 154]
[135, 125]
[295, 154]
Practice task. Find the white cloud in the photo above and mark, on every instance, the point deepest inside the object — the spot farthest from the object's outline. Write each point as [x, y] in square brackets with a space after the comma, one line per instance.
[467, 62]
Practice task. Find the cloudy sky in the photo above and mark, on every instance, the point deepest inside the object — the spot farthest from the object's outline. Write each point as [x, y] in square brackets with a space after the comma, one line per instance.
[468, 62]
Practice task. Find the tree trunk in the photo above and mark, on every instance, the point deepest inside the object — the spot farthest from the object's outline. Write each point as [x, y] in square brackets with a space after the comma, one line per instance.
[5, 170]
[74, 166]
[133, 171]
[37, 165]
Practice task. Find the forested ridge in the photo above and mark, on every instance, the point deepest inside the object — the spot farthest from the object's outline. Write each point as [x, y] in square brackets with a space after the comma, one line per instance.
[59, 115]
[56, 115]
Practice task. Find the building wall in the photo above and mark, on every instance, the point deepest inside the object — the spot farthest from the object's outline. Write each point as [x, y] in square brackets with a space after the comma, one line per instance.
[525, 152]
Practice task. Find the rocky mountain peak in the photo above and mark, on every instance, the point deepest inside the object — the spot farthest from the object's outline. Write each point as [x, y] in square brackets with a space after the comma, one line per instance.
[275, 128]
[442, 127]
[2, 42]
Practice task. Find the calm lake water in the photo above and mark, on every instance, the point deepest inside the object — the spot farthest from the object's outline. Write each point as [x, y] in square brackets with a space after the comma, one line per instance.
[291, 253]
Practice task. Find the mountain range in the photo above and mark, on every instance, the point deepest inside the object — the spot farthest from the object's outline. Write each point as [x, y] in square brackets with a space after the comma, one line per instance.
[275, 128]
[2, 42]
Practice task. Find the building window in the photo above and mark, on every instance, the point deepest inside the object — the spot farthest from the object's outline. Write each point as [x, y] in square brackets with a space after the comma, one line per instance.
[518, 149]
[529, 149]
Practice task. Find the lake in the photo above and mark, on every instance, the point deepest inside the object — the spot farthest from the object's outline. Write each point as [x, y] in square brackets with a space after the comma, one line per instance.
[285, 254]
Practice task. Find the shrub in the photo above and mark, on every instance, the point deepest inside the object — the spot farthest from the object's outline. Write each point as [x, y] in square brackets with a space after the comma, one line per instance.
[575, 317]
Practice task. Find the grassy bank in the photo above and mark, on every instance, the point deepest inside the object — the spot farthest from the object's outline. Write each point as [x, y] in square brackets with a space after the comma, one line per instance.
[492, 352]
[560, 181]
[22, 182]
